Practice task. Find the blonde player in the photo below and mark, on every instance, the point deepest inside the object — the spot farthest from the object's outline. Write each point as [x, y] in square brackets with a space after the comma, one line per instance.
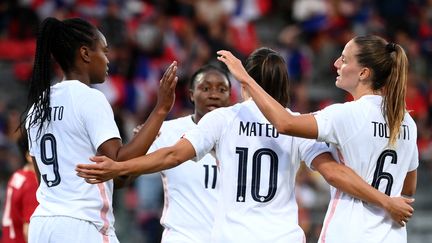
[67, 122]
[374, 135]
[190, 189]
[257, 164]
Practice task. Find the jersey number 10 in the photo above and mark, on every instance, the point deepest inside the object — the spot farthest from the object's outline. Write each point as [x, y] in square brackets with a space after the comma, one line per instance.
[256, 174]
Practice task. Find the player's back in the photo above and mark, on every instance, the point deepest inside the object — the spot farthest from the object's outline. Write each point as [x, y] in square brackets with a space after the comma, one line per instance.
[80, 120]
[257, 167]
[363, 146]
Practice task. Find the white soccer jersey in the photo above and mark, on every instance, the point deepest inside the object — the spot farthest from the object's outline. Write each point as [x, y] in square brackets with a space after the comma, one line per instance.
[359, 136]
[257, 169]
[81, 120]
[190, 190]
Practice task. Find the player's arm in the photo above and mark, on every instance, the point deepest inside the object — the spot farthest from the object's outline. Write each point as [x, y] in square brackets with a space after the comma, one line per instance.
[25, 231]
[165, 158]
[345, 179]
[410, 184]
[142, 141]
[301, 126]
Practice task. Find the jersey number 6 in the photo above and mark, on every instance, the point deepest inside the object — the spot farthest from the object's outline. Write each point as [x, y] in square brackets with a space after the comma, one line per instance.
[379, 174]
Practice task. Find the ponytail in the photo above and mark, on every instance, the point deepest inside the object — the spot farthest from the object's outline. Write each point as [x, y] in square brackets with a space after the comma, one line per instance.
[395, 92]
[59, 40]
[40, 83]
[269, 70]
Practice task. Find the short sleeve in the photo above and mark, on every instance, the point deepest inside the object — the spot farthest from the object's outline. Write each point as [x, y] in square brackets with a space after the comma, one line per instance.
[98, 118]
[207, 133]
[332, 123]
[309, 149]
[414, 161]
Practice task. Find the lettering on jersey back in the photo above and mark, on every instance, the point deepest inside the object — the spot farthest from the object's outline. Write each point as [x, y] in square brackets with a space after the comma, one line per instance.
[382, 130]
[55, 114]
[257, 129]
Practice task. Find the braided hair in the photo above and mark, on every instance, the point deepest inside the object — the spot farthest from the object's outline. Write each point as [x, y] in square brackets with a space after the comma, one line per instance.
[61, 40]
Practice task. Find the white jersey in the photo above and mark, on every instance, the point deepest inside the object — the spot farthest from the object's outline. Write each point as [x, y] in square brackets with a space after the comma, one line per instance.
[189, 189]
[257, 169]
[81, 120]
[359, 136]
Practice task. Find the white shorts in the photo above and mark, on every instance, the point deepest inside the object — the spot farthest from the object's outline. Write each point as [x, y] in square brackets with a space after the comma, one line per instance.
[63, 229]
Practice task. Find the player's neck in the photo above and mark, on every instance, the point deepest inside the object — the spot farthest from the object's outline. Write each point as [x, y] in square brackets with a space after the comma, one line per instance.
[196, 118]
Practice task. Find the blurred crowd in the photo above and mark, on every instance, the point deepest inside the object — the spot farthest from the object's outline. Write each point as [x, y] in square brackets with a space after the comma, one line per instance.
[144, 37]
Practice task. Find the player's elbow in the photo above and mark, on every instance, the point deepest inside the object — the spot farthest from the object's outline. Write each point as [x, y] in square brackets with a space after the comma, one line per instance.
[331, 174]
[331, 178]
[409, 191]
[173, 158]
[410, 184]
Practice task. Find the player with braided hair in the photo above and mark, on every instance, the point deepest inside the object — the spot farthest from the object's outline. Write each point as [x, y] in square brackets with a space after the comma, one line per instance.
[257, 164]
[69, 121]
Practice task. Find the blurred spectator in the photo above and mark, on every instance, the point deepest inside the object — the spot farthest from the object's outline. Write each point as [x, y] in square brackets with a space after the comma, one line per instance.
[20, 199]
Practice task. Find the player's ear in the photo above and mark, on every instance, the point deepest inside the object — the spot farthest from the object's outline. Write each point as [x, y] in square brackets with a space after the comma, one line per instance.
[365, 73]
[191, 97]
[84, 53]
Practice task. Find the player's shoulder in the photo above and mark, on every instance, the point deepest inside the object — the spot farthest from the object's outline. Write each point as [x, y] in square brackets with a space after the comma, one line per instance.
[408, 117]
[78, 86]
[80, 90]
[408, 120]
[176, 126]
[245, 107]
[341, 107]
[224, 113]
[346, 110]
[176, 122]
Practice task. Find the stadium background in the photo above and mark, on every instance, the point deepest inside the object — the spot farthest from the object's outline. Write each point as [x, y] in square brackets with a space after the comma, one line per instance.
[145, 36]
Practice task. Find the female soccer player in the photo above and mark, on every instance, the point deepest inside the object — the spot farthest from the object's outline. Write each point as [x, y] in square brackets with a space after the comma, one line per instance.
[69, 121]
[257, 164]
[374, 135]
[190, 189]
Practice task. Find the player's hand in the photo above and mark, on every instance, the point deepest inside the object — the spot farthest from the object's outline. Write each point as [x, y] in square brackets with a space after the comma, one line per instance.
[400, 209]
[103, 170]
[166, 94]
[234, 65]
